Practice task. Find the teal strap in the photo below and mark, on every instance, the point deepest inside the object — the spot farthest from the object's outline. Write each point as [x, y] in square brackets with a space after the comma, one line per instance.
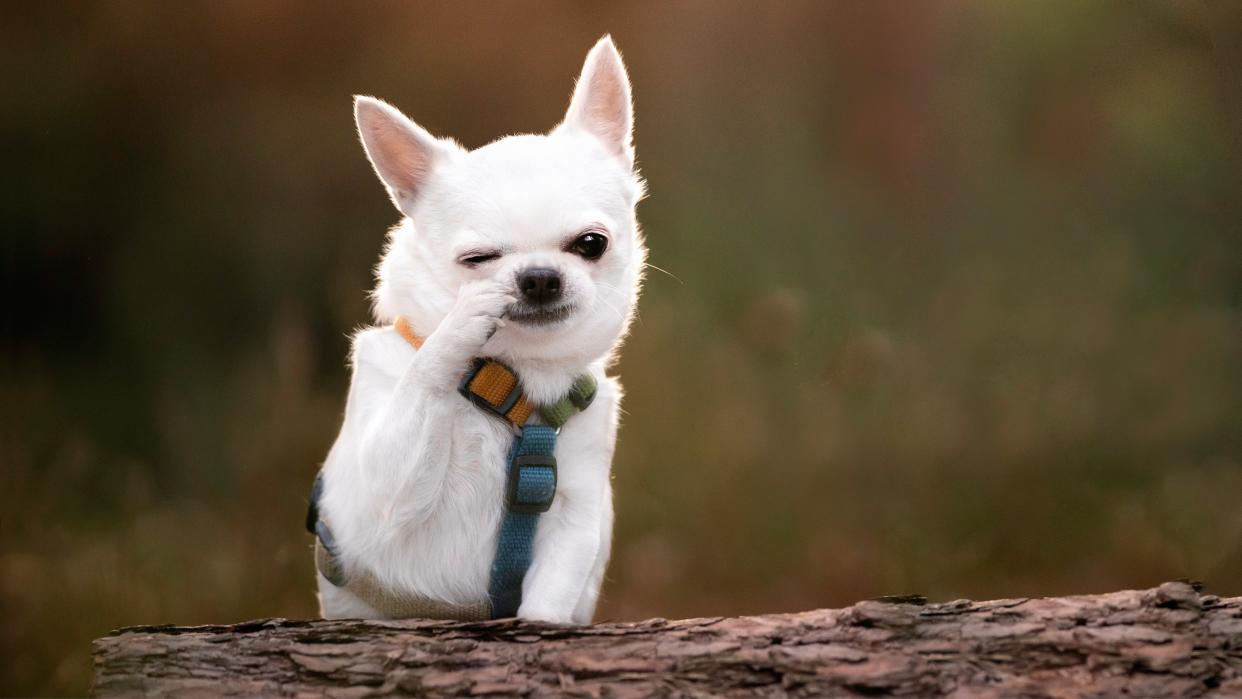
[530, 489]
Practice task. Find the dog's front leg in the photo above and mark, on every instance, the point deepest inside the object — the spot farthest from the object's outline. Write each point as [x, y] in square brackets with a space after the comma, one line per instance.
[407, 443]
[564, 561]
[572, 538]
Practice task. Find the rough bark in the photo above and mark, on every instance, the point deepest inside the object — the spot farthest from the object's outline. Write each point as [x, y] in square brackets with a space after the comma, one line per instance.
[1167, 641]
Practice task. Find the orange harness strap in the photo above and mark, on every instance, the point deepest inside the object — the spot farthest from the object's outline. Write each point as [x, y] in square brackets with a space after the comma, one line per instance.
[402, 324]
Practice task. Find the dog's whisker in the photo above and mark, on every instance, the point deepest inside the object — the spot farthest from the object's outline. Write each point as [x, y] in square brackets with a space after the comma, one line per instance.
[611, 307]
[661, 269]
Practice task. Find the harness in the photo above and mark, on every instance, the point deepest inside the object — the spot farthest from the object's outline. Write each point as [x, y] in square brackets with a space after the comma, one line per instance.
[530, 487]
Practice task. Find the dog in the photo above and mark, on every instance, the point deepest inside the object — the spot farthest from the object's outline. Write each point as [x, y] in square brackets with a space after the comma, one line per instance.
[526, 252]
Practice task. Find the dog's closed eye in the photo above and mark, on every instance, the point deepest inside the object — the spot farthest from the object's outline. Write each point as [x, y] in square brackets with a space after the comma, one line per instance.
[476, 258]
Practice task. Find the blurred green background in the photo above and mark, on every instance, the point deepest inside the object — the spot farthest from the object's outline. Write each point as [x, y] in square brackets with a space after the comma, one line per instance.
[954, 303]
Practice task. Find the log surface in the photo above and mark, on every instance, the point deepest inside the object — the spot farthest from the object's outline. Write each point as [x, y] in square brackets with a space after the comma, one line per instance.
[1166, 641]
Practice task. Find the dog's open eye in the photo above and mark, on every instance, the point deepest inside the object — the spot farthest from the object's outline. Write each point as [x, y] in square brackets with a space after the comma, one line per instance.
[474, 259]
[590, 245]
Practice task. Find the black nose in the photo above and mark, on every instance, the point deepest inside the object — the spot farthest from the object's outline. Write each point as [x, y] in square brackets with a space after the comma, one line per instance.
[539, 285]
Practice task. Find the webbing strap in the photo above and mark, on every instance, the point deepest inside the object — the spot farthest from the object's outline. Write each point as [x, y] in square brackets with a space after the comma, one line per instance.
[530, 489]
[494, 387]
[579, 397]
[402, 325]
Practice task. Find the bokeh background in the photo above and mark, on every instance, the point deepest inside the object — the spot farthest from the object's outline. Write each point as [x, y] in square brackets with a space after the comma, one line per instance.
[953, 303]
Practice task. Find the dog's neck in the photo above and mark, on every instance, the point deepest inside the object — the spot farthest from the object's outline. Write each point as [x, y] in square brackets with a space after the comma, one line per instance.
[545, 382]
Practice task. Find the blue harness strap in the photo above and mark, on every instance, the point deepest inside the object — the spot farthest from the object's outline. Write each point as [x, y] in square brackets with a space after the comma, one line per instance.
[530, 488]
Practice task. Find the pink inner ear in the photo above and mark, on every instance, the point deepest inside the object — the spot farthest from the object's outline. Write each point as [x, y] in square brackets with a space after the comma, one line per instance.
[601, 102]
[401, 159]
[608, 108]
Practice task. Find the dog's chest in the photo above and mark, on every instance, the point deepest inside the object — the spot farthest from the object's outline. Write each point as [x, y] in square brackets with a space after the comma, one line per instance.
[478, 460]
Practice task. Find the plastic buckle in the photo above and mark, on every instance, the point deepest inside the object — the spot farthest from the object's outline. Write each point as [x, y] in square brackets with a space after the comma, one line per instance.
[521, 465]
[500, 411]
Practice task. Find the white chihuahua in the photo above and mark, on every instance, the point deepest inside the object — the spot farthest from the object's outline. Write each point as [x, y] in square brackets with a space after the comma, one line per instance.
[525, 252]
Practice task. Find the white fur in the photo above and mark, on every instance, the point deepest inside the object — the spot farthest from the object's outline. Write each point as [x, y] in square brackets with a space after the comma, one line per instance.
[413, 484]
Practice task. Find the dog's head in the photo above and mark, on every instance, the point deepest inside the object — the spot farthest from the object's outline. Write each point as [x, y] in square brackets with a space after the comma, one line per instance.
[551, 215]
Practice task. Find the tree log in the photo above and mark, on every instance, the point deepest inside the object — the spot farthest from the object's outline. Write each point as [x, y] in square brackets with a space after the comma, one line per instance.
[1167, 641]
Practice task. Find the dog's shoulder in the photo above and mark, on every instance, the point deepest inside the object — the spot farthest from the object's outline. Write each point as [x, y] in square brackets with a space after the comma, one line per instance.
[608, 388]
[605, 406]
[380, 348]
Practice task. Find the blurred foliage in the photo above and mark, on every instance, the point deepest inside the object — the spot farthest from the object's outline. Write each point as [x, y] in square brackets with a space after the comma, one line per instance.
[953, 307]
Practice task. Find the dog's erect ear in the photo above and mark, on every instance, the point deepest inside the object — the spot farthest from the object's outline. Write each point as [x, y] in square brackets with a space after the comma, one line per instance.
[601, 103]
[402, 152]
